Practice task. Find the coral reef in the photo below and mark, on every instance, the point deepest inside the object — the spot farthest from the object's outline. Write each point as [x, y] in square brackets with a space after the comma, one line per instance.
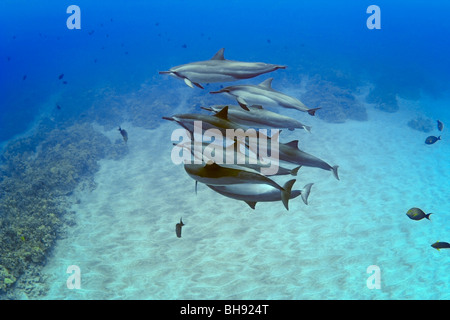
[421, 124]
[36, 174]
[337, 104]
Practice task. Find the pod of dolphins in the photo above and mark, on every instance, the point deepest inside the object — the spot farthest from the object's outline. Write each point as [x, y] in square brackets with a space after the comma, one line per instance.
[244, 180]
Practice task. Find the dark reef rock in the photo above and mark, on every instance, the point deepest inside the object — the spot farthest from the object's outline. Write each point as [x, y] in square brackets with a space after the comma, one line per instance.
[337, 104]
[384, 99]
[36, 173]
[421, 124]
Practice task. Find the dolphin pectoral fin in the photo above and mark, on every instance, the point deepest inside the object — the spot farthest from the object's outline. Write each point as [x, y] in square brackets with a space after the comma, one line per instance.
[207, 109]
[242, 103]
[305, 192]
[198, 85]
[295, 171]
[251, 204]
[286, 193]
[189, 83]
[312, 112]
[168, 118]
[196, 183]
[335, 172]
[165, 72]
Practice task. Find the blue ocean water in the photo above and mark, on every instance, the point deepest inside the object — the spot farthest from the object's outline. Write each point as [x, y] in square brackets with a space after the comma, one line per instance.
[48, 71]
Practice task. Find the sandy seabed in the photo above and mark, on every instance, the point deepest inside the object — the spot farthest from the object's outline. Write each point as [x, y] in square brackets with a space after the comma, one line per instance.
[125, 245]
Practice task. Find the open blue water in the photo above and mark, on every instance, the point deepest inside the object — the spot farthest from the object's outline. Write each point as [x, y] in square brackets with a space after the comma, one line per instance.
[111, 65]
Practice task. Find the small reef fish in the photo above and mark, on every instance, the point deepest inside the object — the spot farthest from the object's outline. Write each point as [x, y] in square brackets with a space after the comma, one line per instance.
[124, 134]
[61, 76]
[178, 227]
[440, 125]
[219, 69]
[432, 139]
[441, 245]
[417, 214]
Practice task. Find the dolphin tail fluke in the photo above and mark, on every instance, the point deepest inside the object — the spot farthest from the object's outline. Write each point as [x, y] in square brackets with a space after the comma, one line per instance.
[295, 171]
[307, 129]
[286, 193]
[305, 192]
[312, 112]
[335, 171]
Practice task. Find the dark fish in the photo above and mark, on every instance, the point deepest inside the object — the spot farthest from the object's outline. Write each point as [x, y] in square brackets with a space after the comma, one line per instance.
[24, 77]
[184, 46]
[178, 228]
[441, 245]
[91, 32]
[61, 76]
[432, 139]
[124, 134]
[64, 82]
[440, 125]
[58, 107]
[417, 214]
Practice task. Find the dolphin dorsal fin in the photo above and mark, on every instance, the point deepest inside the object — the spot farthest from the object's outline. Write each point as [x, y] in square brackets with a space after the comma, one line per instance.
[219, 55]
[267, 84]
[222, 114]
[211, 165]
[293, 144]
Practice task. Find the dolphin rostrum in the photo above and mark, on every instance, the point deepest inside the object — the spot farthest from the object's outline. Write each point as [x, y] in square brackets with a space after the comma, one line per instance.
[253, 193]
[263, 94]
[259, 118]
[218, 121]
[219, 69]
[228, 174]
